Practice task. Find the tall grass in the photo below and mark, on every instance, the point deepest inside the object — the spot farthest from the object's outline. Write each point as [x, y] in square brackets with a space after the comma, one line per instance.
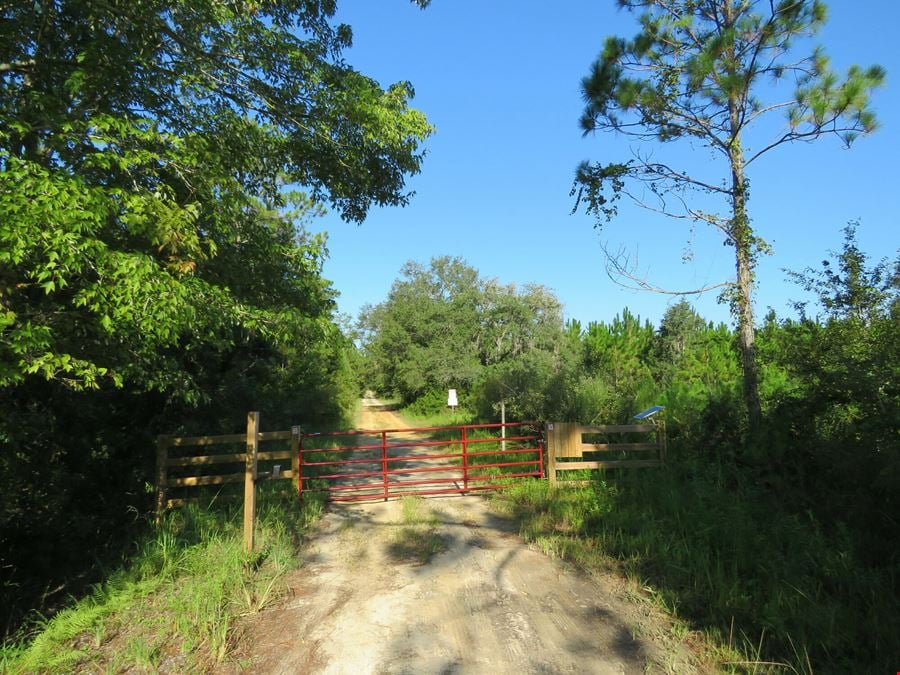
[442, 418]
[177, 603]
[771, 589]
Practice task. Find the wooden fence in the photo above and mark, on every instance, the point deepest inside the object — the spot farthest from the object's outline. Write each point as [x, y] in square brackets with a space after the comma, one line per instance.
[186, 462]
[178, 456]
[566, 449]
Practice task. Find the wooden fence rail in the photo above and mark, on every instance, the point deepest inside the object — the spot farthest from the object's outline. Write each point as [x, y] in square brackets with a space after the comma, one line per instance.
[250, 458]
[565, 448]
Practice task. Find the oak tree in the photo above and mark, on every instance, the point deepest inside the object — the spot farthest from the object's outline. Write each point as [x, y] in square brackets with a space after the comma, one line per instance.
[145, 153]
[158, 161]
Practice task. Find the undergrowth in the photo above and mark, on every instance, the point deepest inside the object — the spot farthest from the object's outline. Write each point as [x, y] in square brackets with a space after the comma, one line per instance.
[178, 602]
[771, 590]
[432, 411]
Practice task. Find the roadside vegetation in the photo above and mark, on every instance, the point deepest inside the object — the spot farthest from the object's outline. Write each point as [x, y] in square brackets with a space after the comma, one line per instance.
[180, 601]
[779, 548]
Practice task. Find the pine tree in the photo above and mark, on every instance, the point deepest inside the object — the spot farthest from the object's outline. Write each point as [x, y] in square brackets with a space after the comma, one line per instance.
[701, 70]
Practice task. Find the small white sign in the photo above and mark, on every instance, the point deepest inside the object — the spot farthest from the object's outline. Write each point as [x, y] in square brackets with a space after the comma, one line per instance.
[451, 398]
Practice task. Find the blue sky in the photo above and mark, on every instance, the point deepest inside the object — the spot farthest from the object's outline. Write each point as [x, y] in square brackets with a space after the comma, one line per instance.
[500, 81]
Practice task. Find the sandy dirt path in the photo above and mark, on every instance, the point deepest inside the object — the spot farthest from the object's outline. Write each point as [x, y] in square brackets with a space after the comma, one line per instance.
[445, 585]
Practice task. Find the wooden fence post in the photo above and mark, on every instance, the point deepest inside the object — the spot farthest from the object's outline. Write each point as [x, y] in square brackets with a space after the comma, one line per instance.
[295, 460]
[162, 474]
[661, 440]
[250, 469]
[551, 453]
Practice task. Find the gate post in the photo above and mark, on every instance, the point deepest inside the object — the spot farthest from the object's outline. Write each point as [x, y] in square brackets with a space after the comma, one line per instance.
[540, 444]
[162, 474]
[384, 466]
[250, 468]
[465, 459]
[661, 441]
[551, 458]
[296, 461]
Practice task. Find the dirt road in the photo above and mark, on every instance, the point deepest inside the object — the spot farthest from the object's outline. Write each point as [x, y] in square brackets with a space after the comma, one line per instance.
[445, 585]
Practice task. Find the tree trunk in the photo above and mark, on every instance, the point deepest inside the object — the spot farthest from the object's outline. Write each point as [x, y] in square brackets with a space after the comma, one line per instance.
[744, 243]
[742, 235]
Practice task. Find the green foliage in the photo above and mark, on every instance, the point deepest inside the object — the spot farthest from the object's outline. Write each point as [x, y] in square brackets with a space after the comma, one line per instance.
[678, 331]
[849, 290]
[434, 405]
[690, 62]
[156, 275]
[444, 327]
[141, 186]
[620, 349]
[841, 414]
[533, 385]
[619, 368]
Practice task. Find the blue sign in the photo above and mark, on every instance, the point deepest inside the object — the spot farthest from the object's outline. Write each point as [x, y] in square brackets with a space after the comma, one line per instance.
[649, 412]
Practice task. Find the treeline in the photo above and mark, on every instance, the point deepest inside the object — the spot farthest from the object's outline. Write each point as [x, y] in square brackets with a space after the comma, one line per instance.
[791, 535]
[829, 379]
[823, 374]
[156, 275]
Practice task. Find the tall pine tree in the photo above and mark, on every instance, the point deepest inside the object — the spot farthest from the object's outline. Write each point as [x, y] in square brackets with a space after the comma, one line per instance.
[701, 70]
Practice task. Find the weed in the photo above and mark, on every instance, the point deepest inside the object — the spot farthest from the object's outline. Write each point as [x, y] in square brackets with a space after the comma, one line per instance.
[417, 539]
[142, 654]
[415, 513]
[181, 593]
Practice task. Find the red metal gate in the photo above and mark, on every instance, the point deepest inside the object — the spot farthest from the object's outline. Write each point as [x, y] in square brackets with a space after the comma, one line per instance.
[380, 464]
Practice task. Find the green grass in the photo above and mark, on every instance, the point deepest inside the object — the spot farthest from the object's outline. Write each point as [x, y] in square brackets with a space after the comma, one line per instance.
[768, 590]
[179, 599]
[387, 402]
[444, 418]
[416, 540]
